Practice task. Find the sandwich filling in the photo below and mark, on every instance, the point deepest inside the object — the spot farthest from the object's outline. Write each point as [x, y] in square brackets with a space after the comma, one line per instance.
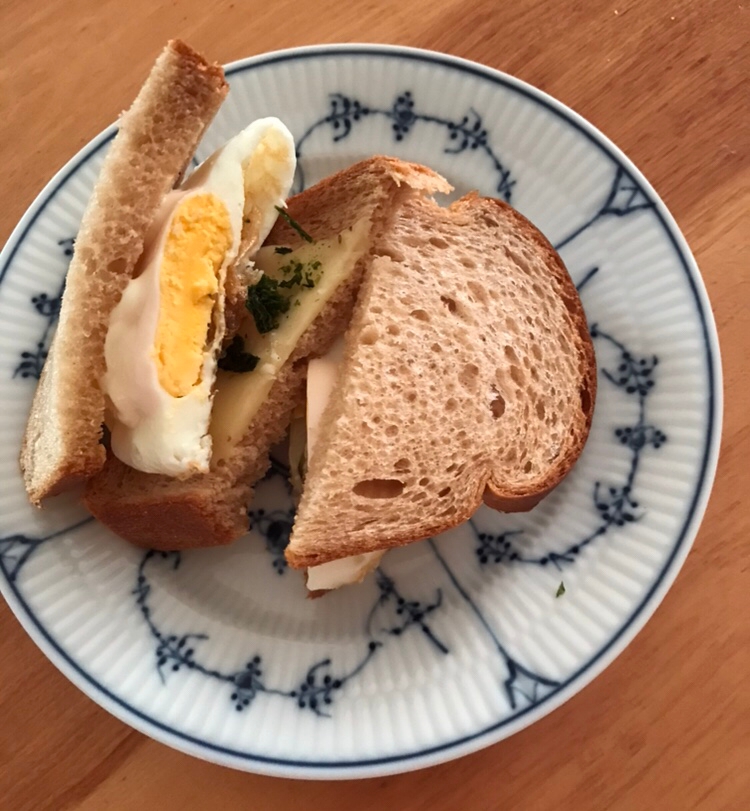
[166, 332]
[290, 290]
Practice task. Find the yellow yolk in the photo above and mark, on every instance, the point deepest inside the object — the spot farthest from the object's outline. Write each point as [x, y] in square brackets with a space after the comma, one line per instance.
[199, 237]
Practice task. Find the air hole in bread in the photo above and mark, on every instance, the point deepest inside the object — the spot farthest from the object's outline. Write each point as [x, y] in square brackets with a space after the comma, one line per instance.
[366, 523]
[392, 329]
[369, 335]
[468, 262]
[585, 400]
[540, 409]
[392, 253]
[402, 465]
[489, 221]
[527, 467]
[423, 482]
[117, 266]
[451, 404]
[444, 492]
[510, 353]
[436, 348]
[497, 404]
[420, 315]
[480, 294]
[378, 488]
[451, 467]
[519, 259]
[411, 396]
[468, 376]
[536, 351]
[449, 303]
[511, 454]
[517, 375]
[391, 430]
[439, 242]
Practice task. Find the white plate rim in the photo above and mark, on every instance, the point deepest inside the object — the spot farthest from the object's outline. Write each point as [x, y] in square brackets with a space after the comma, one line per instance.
[342, 769]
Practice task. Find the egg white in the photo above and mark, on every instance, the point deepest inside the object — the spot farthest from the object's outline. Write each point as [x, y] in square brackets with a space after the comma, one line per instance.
[150, 429]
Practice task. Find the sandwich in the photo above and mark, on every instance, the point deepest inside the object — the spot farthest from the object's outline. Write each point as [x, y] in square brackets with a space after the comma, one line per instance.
[153, 280]
[304, 285]
[155, 142]
[467, 375]
[420, 359]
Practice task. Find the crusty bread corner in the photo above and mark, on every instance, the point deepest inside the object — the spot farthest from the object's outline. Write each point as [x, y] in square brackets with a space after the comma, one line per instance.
[468, 374]
[211, 509]
[500, 493]
[156, 139]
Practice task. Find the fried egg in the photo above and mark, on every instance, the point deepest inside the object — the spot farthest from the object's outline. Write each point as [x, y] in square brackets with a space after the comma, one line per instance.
[165, 334]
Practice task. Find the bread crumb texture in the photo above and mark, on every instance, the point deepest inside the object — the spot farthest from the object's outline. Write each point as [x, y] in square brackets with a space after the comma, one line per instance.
[468, 367]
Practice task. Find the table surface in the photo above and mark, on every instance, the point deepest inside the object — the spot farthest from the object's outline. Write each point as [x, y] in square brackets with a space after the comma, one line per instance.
[668, 724]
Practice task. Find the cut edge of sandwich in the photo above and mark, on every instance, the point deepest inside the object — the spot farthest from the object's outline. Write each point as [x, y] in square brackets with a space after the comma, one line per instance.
[155, 141]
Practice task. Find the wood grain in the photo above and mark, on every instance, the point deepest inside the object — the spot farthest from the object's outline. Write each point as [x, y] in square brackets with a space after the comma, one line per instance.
[668, 724]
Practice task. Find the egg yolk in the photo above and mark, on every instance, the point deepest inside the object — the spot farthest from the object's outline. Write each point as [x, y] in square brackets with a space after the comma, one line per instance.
[200, 234]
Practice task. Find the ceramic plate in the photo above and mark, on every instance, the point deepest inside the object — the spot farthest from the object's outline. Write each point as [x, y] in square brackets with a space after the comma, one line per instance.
[454, 643]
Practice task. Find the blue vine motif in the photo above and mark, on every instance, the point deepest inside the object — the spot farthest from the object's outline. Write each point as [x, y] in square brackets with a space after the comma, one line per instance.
[275, 527]
[316, 689]
[520, 682]
[614, 504]
[624, 197]
[48, 307]
[407, 612]
[466, 133]
[17, 550]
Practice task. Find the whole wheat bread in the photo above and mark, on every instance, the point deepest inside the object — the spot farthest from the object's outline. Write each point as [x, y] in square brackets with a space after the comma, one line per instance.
[156, 139]
[210, 509]
[468, 373]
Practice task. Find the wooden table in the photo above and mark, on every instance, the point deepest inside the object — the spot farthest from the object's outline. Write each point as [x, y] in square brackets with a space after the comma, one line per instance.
[668, 725]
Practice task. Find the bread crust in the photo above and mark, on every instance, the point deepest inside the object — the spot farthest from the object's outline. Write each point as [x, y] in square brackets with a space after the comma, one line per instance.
[156, 139]
[211, 509]
[503, 496]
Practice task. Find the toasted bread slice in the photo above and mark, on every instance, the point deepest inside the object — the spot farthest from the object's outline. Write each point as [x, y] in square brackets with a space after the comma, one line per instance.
[211, 509]
[468, 374]
[155, 142]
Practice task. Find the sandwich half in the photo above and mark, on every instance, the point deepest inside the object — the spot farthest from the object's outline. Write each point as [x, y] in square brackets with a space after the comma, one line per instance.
[302, 287]
[467, 375]
[156, 139]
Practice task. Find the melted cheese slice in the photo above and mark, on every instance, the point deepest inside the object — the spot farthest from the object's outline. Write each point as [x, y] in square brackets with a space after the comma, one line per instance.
[239, 396]
[321, 379]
